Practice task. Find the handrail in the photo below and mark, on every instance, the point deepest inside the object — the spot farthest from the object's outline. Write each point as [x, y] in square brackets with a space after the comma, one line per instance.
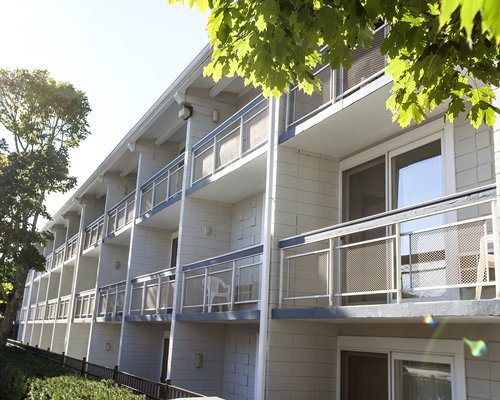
[175, 161]
[159, 274]
[125, 205]
[242, 111]
[477, 195]
[94, 222]
[234, 255]
[85, 292]
[124, 200]
[112, 285]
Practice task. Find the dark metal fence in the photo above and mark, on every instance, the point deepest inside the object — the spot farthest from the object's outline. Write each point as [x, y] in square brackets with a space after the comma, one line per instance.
[150, 389]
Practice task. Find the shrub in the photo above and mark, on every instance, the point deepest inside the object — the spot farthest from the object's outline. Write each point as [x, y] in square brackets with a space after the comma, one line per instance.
[72, 387]
[17, 367]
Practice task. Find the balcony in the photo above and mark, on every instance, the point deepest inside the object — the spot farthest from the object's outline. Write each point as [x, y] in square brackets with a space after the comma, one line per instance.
[71, 247]
[40, 311]
[236, 138]
[367, 65]
[162, 189]
[111, 300]
[48, 265]
[121, 215]
[63, 309]
[59, 255]
[430, 252]
[52, 309]
[32, 313]
[152, 296]
[85, 302]
[230, 282]
[93, 233]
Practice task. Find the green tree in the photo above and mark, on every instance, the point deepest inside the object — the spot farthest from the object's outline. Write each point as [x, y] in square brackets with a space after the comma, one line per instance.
[43, 119]
[438, 50]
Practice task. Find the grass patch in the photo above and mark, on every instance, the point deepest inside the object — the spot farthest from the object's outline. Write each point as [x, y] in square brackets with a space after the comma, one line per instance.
[24, 375]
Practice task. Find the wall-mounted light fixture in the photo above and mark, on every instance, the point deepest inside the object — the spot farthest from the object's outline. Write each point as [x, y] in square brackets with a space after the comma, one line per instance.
[185, 111]
[198, 360]
[118, 264]
[208, 230]
[215, 116]
[107, 347]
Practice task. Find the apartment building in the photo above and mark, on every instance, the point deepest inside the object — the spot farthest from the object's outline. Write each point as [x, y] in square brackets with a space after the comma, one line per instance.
[296, 248]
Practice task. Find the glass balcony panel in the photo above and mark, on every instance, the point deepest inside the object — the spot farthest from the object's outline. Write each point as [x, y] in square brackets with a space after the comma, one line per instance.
[228, 146]
[204, 161]
[147, 200]
[175, 184]
[135, 304]
[112, 223]
[194, 289]
[160, 191]
[120, 217]
[150, 297]
[130, 211]
[120, 301]
[255, 127]
[247, 285]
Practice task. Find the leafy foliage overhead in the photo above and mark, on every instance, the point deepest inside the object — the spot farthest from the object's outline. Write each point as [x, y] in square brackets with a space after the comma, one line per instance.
[439, 51]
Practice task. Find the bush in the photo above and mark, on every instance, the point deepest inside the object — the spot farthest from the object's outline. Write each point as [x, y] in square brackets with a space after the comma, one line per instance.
[17, 367]
[72, 387]
[24, 375]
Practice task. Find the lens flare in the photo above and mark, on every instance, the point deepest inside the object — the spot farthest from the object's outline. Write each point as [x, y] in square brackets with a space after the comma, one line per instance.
[477, 347]
[429, 320]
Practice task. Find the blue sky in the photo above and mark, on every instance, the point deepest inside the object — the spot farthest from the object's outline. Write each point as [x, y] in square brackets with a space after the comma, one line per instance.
[122, 53]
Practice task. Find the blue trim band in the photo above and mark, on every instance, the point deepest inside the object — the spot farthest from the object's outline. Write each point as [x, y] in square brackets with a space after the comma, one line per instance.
[286, 136]
[149, 318]
[225, 258]
[250, 315]
[175, 198]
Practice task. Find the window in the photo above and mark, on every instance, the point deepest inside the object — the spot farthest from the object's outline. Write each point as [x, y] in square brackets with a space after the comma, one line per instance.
[400, 369]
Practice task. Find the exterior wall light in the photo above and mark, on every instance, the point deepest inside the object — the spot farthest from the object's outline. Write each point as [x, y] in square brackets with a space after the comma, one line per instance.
[198, 360]
[107, 347]
[185, 112]
[117, 264]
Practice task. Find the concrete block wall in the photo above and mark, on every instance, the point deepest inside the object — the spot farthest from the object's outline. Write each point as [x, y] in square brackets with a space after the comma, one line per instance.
[102, 333]
[34, 338]
[66, 283]
[46, 333]
[94, 208]
[302, 360]
[86, 274]
[72, 224]
[246, 222]
[206, 230]
[78, 341]
[240, 351]
[58, 344]
[53, 285]
[142, 349]
[107, 273]
[192, 338]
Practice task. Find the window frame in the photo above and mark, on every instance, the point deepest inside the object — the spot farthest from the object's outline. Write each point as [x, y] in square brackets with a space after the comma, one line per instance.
[411, 349]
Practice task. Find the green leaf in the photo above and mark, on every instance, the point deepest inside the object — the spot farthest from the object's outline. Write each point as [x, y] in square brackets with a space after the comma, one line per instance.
[261, 24]
[447, 8]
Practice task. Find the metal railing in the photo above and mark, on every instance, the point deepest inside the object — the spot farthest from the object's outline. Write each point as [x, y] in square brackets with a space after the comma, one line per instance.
[236, 137]
[394, 256]
[111, 300]
[71, 247]
[48, 265]
[85, 302]
[153, 293]
[163, 185]
[222, 282]
[52, 309]
[59, 255]
[93, 233]
[40, 311]
[32, 313]
[150, 389]
[121, 214]
[367, 65]
[63, 309]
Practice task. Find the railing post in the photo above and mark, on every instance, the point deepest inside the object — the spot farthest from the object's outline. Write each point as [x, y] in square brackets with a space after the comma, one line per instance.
[496, 245]
[233, 279]
[206, 292]
[214, 164]
[280, 292]
[143, 297]
[397, 245]
[158, 296]
[115, 373]
[84, 366]
[63, 358]
[242, 129]
[330, 273]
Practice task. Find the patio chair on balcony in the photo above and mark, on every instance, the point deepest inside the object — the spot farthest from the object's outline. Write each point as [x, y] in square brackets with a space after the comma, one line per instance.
[216, 288]
[485, 265]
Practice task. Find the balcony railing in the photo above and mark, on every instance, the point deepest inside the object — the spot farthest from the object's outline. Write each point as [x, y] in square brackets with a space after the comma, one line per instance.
[85, 302]
[236, 137]
[63, 309]
[223, 282]
[40, 311]
[71, 247]
[59, 255]
[367, 65]
[111, 300]
[153, 294]
[122, 214]
[48, 264]
[163, 186]
[32, 313]
[52, 309]
[396, 256]
[93, 233]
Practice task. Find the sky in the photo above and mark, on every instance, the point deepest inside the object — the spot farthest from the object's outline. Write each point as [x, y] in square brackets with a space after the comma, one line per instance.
[122, 53]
